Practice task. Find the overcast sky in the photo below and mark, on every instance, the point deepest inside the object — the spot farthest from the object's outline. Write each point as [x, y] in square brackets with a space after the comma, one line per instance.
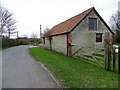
[29, 14]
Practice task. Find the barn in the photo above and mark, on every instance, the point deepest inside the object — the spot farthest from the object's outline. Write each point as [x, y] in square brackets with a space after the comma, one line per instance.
[86, 29]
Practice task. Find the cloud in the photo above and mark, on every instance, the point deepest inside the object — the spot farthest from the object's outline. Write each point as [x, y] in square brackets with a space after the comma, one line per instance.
[31, 13]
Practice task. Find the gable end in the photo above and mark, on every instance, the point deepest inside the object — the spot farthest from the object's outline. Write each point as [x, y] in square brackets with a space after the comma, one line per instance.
[87, 15]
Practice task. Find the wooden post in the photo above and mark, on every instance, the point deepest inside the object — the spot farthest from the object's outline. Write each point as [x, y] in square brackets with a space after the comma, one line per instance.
[114, 58]
[107, 52]
[109, 58]
[67, 45]
[70, 50]
[50, 39]
[111, 50]
[106, 57]
[119, 60]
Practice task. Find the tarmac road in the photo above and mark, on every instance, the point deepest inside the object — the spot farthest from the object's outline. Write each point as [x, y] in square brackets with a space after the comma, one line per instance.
[20, 70]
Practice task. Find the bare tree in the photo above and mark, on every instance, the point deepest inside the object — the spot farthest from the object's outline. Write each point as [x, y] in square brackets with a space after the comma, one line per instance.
[115, 25]
[34, 35]
[7, 23]
[115, 21]
[46, 32]
[25, 35]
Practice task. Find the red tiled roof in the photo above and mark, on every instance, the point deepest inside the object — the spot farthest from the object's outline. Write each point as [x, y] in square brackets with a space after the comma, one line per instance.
[67, 25]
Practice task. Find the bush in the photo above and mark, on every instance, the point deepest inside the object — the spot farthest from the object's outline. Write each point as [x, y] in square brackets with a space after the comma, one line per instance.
[117, 37]
[6, 42]
[22, 42]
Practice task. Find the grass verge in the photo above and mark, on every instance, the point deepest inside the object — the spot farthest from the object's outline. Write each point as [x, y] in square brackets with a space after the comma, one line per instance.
[117, 44]
[75, 73]
[5, 48]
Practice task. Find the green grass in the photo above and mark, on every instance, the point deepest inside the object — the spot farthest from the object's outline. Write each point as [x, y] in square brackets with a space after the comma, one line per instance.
[74, 73]
[117, 44]
[95, 59]
[100, 55]
[5, 48]
[100, 60]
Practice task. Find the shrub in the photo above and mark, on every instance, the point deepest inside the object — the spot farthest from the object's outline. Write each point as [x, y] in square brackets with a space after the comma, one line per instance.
[6, 42]
[22, 42]
[117, 37]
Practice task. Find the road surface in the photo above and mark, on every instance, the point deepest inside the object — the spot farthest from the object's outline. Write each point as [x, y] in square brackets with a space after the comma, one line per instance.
[20, 70]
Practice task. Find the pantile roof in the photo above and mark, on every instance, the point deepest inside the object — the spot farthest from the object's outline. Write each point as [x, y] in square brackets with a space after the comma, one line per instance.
[67, 25]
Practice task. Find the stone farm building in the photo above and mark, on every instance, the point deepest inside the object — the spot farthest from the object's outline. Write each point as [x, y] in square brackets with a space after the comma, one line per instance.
[84, 30]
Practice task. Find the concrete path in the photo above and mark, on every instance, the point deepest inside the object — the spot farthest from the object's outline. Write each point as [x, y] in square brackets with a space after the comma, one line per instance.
[20, 70]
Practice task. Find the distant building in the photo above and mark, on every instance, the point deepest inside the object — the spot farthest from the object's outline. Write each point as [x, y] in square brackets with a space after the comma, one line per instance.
[1, 36]
[22, 38]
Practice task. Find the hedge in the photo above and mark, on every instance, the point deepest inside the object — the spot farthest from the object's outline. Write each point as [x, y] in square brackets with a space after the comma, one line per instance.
[6, 42]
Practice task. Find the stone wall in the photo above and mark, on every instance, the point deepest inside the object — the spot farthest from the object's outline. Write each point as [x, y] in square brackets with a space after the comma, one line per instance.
[83, 37]
[47, 43]
[59, 44]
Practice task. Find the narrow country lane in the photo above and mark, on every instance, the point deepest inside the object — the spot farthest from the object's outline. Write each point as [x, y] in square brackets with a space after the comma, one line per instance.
[20, 70]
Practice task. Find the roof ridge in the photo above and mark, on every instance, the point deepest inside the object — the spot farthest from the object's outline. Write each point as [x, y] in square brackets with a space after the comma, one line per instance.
[84, 14]
[69, 23]
[74, 16]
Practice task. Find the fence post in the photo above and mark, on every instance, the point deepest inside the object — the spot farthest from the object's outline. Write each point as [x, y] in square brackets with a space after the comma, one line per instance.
[109, 58]
[119, 60]
[114, 58]
[107, 51]
[111, 49]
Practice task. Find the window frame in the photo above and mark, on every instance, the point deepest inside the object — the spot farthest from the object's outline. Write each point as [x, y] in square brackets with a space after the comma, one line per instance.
[99, 39]
[89, 24]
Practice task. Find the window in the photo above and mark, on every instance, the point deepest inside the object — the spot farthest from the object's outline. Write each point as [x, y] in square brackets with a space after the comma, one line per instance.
[98, 37]
[92, 23]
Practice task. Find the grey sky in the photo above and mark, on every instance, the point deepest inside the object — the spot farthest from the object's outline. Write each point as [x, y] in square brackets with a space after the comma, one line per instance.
[31, 13]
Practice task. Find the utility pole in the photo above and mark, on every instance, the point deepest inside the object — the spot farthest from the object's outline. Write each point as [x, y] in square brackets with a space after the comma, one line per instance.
[9, 33]
[118, 11]
[40, 31]
[17, 37]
